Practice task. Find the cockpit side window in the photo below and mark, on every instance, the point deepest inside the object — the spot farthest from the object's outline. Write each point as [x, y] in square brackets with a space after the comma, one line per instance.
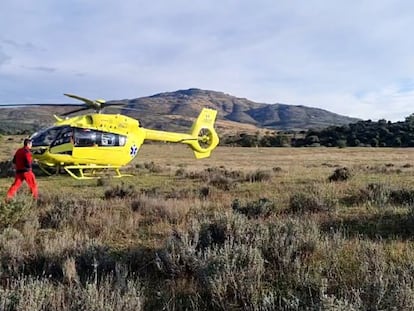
[87, 138]
[65, 136]
[46, 137]
[108, 139]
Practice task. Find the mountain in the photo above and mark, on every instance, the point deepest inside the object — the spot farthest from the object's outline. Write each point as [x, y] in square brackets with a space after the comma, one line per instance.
[233, 109]
[177, 110]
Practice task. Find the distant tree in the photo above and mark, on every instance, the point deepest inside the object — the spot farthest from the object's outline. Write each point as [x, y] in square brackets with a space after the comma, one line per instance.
[266, 141]
[362, 133]
[410, 121]
[248, 140]
[341, 143]
[396, 142]
[374, 142]
[312, 140]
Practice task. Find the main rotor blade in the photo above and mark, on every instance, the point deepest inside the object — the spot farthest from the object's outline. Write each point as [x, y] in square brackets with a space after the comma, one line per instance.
[74, 111]
[133, 109]
[86, 100]
[113, 104]
[38, 105]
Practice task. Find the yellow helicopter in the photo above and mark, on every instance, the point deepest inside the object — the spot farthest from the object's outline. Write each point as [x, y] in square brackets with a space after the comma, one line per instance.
[87, 145]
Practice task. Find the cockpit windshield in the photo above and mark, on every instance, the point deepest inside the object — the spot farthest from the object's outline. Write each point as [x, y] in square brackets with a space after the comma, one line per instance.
[47, 136]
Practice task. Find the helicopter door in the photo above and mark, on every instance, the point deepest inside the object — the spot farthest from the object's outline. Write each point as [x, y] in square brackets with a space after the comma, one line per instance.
[98, 147]
[63, 143]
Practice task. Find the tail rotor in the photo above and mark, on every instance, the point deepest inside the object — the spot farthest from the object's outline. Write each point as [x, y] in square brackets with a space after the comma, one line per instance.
[205, 134]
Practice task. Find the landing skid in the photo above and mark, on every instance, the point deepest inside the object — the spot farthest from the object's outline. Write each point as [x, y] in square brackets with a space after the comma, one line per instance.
[49, 170]
[82, 172]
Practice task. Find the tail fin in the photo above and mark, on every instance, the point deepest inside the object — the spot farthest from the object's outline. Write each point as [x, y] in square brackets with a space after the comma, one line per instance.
[203, 130]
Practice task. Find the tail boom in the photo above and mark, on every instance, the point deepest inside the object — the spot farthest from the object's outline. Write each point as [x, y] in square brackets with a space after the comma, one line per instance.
[202, 138]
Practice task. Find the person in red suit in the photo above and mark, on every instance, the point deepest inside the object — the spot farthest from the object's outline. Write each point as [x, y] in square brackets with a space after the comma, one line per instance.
[22, 161]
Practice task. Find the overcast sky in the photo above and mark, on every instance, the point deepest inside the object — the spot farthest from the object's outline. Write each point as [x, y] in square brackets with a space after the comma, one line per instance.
[353, 57]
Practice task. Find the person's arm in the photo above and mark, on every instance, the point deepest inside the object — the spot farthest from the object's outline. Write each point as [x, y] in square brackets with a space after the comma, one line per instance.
[28, 158]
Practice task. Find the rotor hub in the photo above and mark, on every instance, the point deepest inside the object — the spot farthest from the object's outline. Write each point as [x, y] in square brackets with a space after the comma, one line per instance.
[205, 138]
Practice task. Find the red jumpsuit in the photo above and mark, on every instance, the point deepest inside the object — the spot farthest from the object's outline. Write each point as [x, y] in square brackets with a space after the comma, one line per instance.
[23, 164]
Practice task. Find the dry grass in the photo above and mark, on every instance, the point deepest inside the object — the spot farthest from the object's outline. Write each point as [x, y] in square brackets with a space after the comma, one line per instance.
[255, 229]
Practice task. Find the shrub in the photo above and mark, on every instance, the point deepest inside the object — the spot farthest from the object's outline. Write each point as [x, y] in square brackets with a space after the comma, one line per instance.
[153, 167]
[103, 182]
[180, 172]
[276, 169]
[6, 169]
[212, 172]
[62, 212]
[402, 197]
[373, 194]
[301, 202]
[340, 174]
[380, 195]
[237, 264]
[228, 269]
[29, 293]
[233, 275]
[212, 234]
[154, 209]
[120, 191]
[261, 208]
[221, 182]
[259, 176]
[16, 210]
[204, 192]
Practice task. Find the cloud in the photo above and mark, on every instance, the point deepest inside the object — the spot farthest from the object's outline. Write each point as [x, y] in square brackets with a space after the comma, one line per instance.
[346, 57]
[41, 68]
[25, 46]
[4, 58]
[394, 101]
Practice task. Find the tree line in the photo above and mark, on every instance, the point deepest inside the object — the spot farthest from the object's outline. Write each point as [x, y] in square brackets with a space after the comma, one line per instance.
[367, 133]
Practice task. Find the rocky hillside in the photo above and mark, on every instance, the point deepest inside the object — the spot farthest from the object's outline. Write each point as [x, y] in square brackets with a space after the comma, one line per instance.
[177, 110]
[230, 108]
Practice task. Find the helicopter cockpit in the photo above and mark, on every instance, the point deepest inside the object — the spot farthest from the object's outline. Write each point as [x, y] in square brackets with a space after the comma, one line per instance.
[78, 137]
[49, 135]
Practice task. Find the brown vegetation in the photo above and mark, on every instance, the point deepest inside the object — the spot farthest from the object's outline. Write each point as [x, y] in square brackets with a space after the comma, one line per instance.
[247, 229]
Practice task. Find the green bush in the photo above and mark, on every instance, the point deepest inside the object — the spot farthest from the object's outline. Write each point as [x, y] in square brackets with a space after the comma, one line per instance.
[16, 210]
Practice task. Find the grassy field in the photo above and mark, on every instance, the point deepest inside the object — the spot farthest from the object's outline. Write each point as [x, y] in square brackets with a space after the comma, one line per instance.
[247, 229]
